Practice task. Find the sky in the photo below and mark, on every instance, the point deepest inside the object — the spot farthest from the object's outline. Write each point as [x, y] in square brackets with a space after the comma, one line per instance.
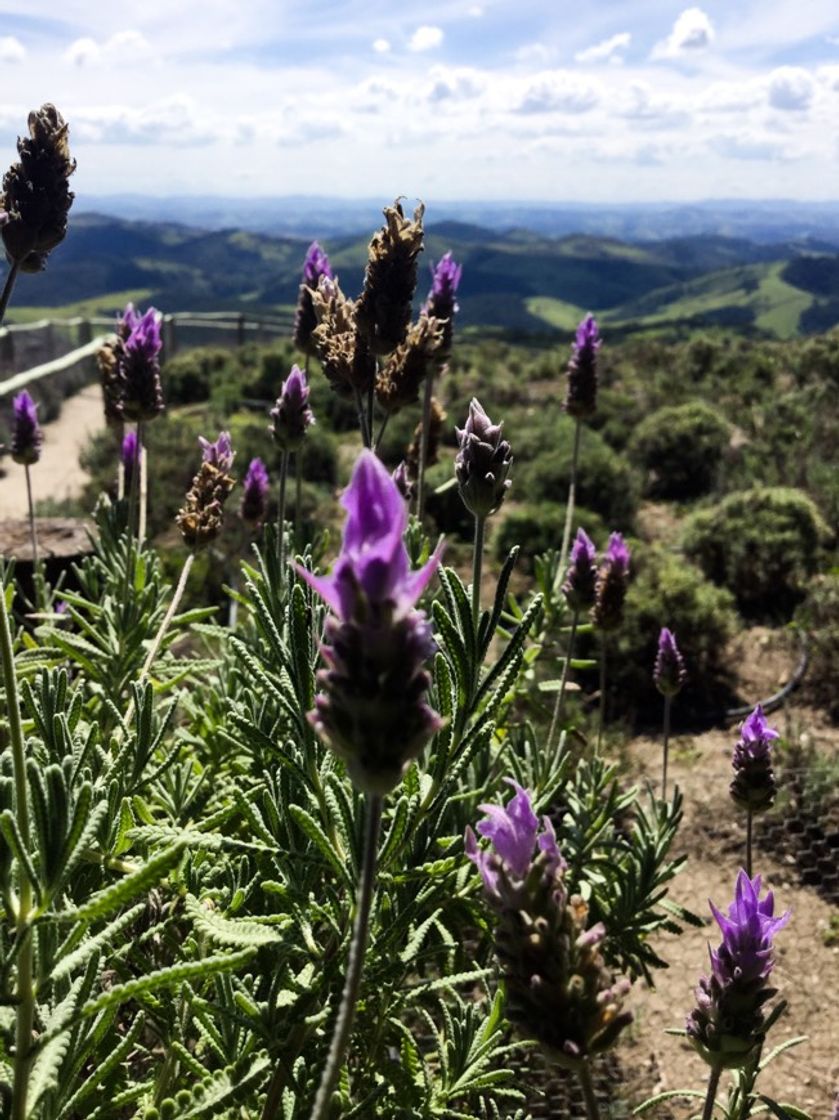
[597, 100]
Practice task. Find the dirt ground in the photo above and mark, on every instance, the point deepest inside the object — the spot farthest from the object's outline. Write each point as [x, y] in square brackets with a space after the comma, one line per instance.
[57, 474]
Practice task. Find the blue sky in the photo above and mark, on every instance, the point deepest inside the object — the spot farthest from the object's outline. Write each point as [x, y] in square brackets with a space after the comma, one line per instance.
[598, 100]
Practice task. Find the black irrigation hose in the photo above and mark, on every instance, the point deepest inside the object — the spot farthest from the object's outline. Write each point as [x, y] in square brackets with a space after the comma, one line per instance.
[777, 698]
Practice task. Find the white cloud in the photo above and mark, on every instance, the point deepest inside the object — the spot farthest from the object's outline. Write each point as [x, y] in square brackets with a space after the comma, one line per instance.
[751, 146]
[455, 85]
[534, 52]
[649, 108]
[381, 46]
[607, 51]
[732, 97]
[476, 11]
[557, 91]
[11, 49]
[171, 120]
[125, 48]
[692, 32]
[790, 88]
[425, 38]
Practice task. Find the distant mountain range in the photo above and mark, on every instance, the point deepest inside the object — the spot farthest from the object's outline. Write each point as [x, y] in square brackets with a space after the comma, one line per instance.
[516, 279]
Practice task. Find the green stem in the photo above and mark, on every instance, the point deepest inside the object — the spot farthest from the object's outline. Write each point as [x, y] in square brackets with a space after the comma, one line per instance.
[602, 720]
[423, 450]
[32, 533]
[25, 987]
[560, 696]
[749, 843]
[571, 503]
[362, 419]
[352, 983]
[382, 428]
[11, 276]
[710, 1099]
[667, 702]
[584, 1074]
[477, 566]
[281, 515]
[132, 517]
[298, 499]
[141, 466]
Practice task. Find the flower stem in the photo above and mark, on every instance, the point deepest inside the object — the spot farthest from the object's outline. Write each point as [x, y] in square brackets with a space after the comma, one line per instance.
[749, 843]
[142, 464]
[667, 702]
[11, 276]
[32, 532]
[352, 983]
[477, 566]
[602, 720]
[371, 401]
[571, 503]
[25, 987]
[710, 1099]
[584, 1074]
[382, 428]
[560, 696]
[362, 419]
[281, 514]
[298, 499]
[423, 449]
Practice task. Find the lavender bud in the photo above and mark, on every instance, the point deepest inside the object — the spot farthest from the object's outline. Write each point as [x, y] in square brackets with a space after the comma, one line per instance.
[669, 671]
[482, 463]
[220, 453]
[441, 303]
[581, 396]
[611, 585]
[753, 786]
[404, 482]
[27, 437]
[315, 265]
[200, 518]
[254, 507]
[372, 709]
[559, 990]
[726, 1025]
[384, 308]
[291, 415]
[580, 579]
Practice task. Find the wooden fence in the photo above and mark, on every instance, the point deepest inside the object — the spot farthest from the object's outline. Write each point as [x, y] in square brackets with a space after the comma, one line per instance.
[20, 341]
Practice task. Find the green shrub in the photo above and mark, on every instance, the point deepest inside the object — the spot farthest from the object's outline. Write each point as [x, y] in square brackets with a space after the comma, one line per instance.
[189, 377]
[818, 616]
[666, 591]
[680, 447]
[538, 527]
[763, 544]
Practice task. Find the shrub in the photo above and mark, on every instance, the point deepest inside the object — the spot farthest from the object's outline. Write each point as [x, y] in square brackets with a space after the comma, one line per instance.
[818, 615]
[189, 377]
[538, 527]
[763, 544]
[681, 447]
[665, 591]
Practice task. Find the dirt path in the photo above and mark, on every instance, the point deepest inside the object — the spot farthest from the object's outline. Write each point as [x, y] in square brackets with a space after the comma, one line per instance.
[58, 474]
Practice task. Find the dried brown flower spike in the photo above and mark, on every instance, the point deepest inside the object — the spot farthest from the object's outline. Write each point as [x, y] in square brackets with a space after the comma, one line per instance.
[341, 350]
[398, 384]
[201, 517]
[383, 311]
[35, 191]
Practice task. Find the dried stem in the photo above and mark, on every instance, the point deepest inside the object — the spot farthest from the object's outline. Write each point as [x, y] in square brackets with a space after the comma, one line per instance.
[142, 462]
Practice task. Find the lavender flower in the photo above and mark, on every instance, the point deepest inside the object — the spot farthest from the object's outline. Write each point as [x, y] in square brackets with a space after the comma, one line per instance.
[580, 579]
[139, 364]
[220, 453]
[291, 416]
[669, 671]
[383, 310]
[611, 585]
[372, 708]
[315, 266]
[441, 303]
[254, 505]
[559, 990]
[128, 456]
[482, 463]
[753, 787]
[581, 395]
[403, 480]
[727, 1022]
[27, 436]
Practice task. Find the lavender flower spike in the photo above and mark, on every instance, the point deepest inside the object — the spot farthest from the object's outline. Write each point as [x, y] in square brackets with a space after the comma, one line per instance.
[372, 708]
[753, 787]
[254, 507]
[581, 577]
[291, 415]
[27, 436]
[669, 671]
[581, 395]
[612, 585]
[441, 303]
[727, 1023]
[220, 453]
[315, 266]
[482, 463]
[138, 359]
[200, 518]
[559, 990]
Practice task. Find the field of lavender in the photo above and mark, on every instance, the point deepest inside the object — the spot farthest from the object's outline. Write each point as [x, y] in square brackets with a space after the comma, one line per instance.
[408, 805]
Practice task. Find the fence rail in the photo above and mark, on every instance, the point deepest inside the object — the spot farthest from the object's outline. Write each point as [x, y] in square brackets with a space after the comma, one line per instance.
[241, 325]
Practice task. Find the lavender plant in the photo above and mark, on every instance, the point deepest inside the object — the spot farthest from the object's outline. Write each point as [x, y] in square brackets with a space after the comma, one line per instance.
[753, 786]
[669, 674]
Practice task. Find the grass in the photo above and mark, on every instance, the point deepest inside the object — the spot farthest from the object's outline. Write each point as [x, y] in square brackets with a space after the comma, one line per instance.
[555, 312]
[95, 306]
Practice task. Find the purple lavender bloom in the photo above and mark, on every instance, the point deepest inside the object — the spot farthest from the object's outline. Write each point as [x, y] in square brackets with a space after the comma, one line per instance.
[127, 321]
[581, 576]
[403, 480]
[441, 303]
[482, 462]
[220, 453]
[128, 455]
[316, 265]
[753, 787]
[291, 415]
[372, 709]
[581, 396]
[139, 363]
[612, 584]
[27, 436]
[254, 505]
[513, 830]
[726, 1024]
[669, 670]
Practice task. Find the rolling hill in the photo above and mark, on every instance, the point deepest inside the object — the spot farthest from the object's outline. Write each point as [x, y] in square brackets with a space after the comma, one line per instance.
[518, 280]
